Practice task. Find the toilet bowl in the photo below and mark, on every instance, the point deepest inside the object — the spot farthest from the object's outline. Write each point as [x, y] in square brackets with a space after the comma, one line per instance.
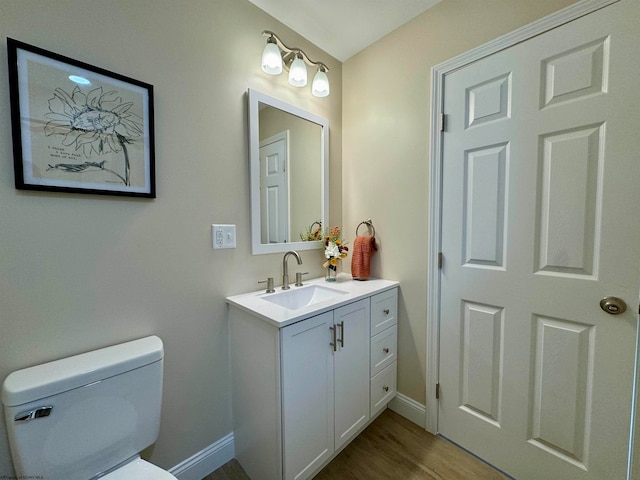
[89, 415]
[138, 468]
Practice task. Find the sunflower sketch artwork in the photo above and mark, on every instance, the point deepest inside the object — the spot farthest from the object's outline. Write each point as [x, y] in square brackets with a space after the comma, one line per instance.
[96, 123]
[78, 128]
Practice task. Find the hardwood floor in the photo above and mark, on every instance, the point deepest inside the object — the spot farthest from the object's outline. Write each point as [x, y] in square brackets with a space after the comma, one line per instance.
[229, 471]
[392, 448]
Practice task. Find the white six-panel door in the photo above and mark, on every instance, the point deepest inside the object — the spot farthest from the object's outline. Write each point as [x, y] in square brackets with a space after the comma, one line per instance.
[540, 221]
[274, 189]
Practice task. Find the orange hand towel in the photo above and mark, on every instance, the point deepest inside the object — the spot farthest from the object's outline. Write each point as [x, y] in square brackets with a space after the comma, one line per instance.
[363, 249]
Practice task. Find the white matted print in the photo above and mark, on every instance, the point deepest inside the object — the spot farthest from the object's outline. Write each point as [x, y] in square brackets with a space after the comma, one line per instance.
[79, 128]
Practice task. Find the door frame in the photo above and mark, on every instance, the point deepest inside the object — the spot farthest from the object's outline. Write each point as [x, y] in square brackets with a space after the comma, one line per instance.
[438, 73]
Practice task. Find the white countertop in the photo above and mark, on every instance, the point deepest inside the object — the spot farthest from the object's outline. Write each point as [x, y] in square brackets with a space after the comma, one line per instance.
[255, 304]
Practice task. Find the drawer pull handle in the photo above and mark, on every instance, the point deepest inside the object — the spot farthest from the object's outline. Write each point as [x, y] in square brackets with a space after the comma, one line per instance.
[333, 343]
[386, 311]
[385, 350]
[386, 388]
[341, 339]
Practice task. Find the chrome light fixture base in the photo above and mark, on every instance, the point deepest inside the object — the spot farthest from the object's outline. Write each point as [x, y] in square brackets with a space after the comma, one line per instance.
[277, 56]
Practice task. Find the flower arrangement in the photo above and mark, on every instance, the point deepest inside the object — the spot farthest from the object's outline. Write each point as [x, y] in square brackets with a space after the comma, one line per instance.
[313, 233]
[335, 250]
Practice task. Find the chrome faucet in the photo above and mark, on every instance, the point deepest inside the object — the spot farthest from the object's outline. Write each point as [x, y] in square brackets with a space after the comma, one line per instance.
[285, 269]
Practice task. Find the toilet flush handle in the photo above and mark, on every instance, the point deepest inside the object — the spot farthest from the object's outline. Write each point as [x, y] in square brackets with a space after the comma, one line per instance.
[31, 414]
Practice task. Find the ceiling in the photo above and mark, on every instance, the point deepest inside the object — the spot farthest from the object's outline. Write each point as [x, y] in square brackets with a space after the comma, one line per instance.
[343, 27]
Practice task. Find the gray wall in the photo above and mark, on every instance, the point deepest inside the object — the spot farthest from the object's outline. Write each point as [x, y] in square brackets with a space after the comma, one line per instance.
[386, 113]
[79, 272]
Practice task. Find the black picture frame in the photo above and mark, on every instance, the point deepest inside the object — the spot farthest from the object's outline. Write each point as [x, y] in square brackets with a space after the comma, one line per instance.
[78, 128]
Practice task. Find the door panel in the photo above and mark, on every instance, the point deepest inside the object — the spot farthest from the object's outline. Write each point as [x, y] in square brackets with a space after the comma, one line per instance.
[539, 222]
[568, 220]
[482, 361]
[484, 205]
[559, 415]
[274, 189]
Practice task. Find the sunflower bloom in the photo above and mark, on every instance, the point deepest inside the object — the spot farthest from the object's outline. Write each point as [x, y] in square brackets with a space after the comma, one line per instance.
[94, 123]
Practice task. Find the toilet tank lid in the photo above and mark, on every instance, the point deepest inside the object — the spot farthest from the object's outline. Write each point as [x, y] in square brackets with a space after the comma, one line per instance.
[41, 381]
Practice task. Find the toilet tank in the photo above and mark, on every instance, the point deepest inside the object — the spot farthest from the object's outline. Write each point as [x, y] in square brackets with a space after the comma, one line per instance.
[77, 417]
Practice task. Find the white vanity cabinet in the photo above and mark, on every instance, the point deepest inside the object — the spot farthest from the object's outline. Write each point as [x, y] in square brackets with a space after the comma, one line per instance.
[325, 386]
[305, 389]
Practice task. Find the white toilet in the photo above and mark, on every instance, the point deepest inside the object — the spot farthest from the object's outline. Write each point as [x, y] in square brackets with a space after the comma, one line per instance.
[88, 415]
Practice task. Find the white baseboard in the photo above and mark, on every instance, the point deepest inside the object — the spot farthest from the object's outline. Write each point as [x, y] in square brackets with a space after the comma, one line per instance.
[217, 454]
[206, 461]
[409, 409]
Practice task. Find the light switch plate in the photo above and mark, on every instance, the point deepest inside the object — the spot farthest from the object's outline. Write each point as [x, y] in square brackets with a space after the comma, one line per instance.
[223, 236]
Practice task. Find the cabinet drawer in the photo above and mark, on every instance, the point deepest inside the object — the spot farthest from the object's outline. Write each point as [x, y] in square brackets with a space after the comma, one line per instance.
[383, 388]
[384, 310]
[384, 349]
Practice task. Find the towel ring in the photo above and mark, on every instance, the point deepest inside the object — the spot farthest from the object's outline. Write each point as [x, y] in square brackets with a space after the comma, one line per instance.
[369, 224]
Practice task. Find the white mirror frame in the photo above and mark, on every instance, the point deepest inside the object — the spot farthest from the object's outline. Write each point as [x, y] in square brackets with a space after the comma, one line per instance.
[255, 98]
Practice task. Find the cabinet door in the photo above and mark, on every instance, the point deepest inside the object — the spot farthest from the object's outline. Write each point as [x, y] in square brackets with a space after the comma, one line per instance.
[351, 370]
[307, 395]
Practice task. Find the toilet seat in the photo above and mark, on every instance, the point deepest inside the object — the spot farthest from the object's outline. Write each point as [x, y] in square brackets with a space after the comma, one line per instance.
[139, 469]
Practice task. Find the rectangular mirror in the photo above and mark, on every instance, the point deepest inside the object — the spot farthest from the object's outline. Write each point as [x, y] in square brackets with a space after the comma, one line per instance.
[289, 171]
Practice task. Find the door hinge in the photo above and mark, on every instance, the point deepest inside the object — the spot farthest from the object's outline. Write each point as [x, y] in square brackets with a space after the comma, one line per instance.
[440, 260]
[437, 390]
[443, 119]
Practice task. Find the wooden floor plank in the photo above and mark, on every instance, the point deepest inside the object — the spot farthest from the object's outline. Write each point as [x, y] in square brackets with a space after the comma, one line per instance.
[392, 448]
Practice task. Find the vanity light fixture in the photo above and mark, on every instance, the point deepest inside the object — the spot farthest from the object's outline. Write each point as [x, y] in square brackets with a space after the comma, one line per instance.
[320, 85]
[277, 55]
[271, 58]
[298, 72]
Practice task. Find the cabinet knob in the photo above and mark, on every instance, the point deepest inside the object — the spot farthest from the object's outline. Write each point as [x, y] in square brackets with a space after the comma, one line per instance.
[386, 311]
[385, 350]
[386, 388]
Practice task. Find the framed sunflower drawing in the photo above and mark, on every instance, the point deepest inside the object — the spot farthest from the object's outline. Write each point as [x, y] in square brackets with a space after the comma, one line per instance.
[79, 128]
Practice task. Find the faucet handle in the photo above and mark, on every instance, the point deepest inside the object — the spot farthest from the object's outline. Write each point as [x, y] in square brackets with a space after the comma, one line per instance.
[269, 282]
[299, 278]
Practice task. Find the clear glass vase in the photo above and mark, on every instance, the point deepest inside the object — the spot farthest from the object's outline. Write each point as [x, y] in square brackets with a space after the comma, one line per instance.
[331, 273]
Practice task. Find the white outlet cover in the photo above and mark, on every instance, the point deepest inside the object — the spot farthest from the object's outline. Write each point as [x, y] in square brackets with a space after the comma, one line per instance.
[223, 236]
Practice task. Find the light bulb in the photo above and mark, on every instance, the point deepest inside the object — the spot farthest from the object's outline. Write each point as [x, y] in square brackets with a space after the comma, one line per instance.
[271, 58]
[79, 80]
[298, 72]
[320, 85]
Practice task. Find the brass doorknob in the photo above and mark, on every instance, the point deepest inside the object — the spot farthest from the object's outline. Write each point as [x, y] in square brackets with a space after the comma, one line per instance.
[613, 305]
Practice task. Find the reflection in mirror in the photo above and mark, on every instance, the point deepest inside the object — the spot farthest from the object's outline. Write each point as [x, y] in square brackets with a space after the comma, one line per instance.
[289, 174]
[289, 164]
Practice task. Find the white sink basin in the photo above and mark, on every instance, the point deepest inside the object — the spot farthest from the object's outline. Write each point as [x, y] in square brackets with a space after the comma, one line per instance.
[285, 307]
[300, 297]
